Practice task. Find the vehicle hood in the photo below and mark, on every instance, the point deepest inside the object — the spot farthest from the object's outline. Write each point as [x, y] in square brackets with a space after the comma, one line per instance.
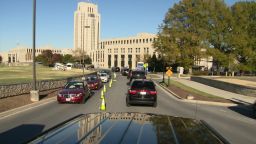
[131, 128]
[71, 91]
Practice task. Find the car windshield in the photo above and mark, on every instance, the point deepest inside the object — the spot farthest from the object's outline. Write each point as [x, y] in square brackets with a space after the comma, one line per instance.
[92, 78]
[143, 85]
[103, 74]
[74, 85]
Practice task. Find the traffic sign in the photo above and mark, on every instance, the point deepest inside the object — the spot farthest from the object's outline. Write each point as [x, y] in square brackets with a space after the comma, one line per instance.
[169, 73]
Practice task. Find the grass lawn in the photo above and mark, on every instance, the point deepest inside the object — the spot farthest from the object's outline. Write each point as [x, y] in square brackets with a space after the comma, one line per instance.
[189, 89]
[20, 74]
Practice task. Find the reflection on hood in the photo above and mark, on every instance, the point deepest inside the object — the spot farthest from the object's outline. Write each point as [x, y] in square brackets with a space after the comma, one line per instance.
[115, 128]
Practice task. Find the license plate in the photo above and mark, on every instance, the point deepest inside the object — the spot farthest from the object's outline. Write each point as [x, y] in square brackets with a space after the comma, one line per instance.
[143, 93]
[68, 99]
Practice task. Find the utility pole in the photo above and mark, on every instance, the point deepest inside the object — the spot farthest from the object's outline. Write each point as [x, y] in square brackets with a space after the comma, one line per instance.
[34, 93]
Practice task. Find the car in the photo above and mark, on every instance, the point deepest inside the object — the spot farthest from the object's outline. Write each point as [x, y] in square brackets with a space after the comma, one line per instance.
[115, 69]
[74, 92]
[130, 128]
[94, 82]
[137, 75]
[107, 71]
[124, 71]
[142, 91]
[104, 77]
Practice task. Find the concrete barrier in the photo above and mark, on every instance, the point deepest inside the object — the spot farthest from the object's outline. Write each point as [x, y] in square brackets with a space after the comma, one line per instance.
[235, 88]
[25, 88]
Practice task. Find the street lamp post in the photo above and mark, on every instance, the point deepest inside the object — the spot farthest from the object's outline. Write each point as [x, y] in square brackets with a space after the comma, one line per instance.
[34, 93]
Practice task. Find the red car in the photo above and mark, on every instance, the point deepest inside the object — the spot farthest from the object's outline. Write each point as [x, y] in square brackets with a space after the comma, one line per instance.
[74, 92]
[94, 82]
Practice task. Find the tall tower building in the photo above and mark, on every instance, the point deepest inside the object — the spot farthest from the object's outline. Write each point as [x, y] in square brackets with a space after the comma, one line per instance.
[87, 29]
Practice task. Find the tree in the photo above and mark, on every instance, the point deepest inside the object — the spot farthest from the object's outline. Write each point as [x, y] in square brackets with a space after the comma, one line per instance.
[244, 34]
[57, 58]
[191, 26]
[68, 58]
[1, 59]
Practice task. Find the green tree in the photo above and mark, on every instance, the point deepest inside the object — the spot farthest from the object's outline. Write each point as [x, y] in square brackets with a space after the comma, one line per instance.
[193, 25]
[1, 59]
[244, 34]
[68, 58]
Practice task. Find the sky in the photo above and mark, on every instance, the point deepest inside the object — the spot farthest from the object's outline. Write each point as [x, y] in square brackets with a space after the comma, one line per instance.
[119, 18]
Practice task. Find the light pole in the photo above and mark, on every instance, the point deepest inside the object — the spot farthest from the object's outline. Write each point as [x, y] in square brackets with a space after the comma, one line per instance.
[34, 92]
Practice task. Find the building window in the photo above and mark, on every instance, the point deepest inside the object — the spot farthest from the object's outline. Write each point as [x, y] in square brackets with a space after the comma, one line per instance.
[130, 61]
[143, 40]
[122, 60]
[136, 40]
[138, 50]
[115, 60]
[130, 41]
[140, 40]
[146, 40]
[147, 50]
[109, 61]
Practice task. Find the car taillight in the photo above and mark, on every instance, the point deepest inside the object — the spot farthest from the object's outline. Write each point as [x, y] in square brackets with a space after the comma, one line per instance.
[132, 92]
[152, 92]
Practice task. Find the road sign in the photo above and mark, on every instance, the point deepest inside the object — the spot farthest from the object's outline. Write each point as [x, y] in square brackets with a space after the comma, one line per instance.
[169, 73]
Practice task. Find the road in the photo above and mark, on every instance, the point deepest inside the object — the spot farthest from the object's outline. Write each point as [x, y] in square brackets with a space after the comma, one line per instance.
[231, 122]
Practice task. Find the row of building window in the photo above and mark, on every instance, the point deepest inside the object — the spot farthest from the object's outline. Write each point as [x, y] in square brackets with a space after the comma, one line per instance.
[134, 41]
[137, 50]
[41, 50]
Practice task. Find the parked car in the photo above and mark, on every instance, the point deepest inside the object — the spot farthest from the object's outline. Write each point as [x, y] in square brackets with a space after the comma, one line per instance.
[129, 128]
[137, 75]
[124, 71]
[115, 69]
[74, 92]
[94, 82]
[142, 91]
[104, 77]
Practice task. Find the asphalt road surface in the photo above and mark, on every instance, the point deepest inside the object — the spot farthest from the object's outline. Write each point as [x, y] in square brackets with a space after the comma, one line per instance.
[233, 123]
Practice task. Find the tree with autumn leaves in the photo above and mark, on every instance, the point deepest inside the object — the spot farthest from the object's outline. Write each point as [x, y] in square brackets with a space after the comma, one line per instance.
[194, 29]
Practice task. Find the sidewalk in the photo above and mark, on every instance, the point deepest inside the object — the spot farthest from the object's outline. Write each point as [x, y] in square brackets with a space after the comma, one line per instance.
[214, 91]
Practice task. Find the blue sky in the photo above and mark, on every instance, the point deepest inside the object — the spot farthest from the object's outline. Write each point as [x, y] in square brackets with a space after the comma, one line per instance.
[119, 18]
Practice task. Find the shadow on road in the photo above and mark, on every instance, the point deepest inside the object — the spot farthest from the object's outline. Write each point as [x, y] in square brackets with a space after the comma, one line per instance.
[245, 110]
[21, 134]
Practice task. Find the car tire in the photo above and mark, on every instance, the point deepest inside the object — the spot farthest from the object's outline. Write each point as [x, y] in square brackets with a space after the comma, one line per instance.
[127, 102]
[83, 101]
[155, 104]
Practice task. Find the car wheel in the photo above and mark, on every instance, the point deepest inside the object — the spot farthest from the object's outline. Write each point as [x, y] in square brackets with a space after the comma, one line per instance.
[155, 104]
[127, 103]
[83, 101]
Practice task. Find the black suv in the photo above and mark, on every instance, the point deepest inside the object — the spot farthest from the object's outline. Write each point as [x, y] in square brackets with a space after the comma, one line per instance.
[142, 91]
[137, 75]
[115, 69]
[124, 71]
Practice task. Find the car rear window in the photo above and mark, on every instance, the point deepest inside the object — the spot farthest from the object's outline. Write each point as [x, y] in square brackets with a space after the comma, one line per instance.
[92, 78]
[143, 85]
[74, 85]
[138, 73]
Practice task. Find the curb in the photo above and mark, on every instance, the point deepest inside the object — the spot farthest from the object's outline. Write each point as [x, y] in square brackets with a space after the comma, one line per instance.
[25, 107]
[196, 101]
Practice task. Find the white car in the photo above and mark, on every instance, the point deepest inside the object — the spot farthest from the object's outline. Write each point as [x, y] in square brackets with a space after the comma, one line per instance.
[104, 77]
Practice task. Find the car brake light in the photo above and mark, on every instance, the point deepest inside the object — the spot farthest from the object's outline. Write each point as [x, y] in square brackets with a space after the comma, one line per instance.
[132, 92]
[152, 92]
